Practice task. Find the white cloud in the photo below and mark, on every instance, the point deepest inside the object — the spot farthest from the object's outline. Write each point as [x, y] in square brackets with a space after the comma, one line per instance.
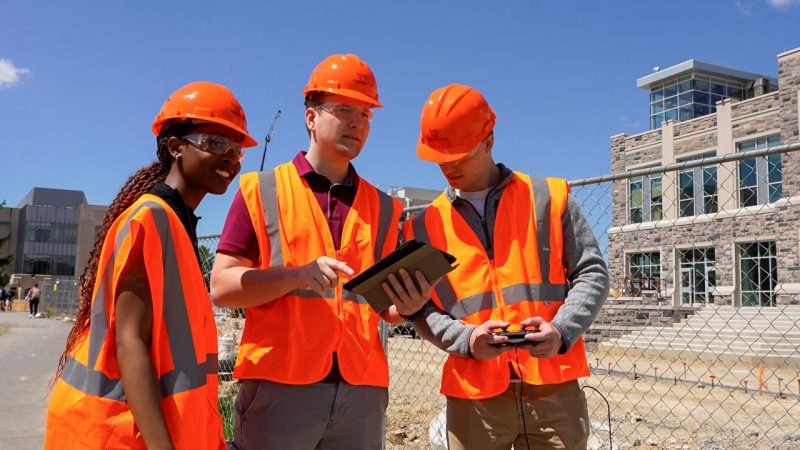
[782, 4]
[744, 8]
[10, 74]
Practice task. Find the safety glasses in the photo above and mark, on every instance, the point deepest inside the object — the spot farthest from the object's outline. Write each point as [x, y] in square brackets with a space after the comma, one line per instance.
[214, 143]
[464, 158]
[348, 112]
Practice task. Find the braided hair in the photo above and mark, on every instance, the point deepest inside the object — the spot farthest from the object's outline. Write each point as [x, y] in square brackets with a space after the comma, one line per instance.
[137, 185]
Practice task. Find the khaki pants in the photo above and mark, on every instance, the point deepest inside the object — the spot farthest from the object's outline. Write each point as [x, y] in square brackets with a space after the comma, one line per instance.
[555, 417]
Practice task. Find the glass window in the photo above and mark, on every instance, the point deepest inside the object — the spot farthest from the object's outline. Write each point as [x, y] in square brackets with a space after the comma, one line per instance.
[736, 93]
[701, 85]
[715, 99]
[645, 199]
[656, 209]
[697, 188]
[636, 200]
[686, 193]
[760, 179]
[644, 271]
[700, 110]
[685, 99]
[685, 86]
[758, 273]
[656, 108]
[717, 88]
[698, 275]
[685, 112]
[671, 114]
[710, 190]
[700, 97]
[656, 120]
[670, 90]
[657, 95]
[670, 102]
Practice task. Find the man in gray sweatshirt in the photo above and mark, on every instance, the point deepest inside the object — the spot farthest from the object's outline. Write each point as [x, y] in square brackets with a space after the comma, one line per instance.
[527, 262]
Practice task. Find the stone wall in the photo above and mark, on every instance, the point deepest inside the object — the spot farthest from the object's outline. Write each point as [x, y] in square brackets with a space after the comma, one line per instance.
[778, 224]
[753, 105]
[789, 83]
[695, 142]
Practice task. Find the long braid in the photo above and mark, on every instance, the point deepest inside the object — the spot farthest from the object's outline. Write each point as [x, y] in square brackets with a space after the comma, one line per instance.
[137, 185]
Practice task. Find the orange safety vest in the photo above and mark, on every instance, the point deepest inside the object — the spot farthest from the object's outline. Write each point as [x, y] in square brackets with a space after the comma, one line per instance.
[525, 279]
[291, 339]
[88, 409]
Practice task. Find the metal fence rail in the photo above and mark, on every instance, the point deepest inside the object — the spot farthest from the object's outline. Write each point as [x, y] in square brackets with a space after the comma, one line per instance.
[698, 345]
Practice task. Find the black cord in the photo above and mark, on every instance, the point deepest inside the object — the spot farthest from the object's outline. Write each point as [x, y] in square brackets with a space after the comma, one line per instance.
[610, 441]
[521, 404]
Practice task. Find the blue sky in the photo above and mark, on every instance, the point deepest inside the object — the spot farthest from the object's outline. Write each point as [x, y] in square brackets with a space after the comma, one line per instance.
[80, 82]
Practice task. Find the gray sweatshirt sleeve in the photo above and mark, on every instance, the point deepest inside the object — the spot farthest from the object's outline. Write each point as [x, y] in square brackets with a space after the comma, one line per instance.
[587, 276]
[444, 331]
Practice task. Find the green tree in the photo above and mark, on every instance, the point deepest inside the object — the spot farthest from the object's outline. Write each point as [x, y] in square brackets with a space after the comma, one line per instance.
[7, 260]
[206, 262]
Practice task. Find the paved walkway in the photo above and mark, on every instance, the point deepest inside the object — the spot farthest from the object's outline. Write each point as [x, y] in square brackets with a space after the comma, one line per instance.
[29, 351]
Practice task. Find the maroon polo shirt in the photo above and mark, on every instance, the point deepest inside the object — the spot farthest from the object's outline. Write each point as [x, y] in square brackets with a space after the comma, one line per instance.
[335, 199]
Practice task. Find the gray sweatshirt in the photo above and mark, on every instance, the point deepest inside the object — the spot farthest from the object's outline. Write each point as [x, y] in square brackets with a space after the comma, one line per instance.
[587, 275]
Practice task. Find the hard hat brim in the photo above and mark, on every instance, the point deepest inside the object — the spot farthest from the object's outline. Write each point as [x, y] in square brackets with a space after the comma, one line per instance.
[247, 141]
[430, 154]
[351, 94]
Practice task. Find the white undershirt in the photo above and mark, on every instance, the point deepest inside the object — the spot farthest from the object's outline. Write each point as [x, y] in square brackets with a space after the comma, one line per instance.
[477, 199]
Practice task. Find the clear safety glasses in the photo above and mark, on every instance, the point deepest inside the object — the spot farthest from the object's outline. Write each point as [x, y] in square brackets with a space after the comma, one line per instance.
[348, 112]
[215, 143]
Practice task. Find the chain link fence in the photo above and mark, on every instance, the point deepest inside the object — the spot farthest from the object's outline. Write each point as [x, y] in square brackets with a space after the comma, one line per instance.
[698, 344]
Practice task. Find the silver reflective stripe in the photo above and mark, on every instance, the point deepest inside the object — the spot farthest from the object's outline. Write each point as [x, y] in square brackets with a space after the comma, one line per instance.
[418, 226]
[472, 304]
[188, 374]
[269, 202]
[310, 293]
[541, 198]
[384, 223]
[517, 293]
[91, 382]
[524, 292]
[353, 297]
[444, 289]
[329, 294]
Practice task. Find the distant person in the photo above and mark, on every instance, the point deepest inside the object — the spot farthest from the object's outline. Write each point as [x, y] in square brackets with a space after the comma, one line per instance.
[9, 298]
[3, 294]
[527, 261]
[33, 297]
[140, 365]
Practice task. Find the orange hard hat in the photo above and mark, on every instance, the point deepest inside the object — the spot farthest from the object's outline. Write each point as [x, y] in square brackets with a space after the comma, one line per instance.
[346, 75]
[454, 120]
[208, 102]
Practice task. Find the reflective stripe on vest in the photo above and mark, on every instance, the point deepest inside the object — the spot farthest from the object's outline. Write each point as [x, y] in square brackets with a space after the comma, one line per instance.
[269, 202]
[188, 374]
[544, 292]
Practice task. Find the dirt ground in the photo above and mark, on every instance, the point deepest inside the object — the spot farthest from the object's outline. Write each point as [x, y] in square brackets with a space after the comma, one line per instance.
[656, 401]
[662, 406]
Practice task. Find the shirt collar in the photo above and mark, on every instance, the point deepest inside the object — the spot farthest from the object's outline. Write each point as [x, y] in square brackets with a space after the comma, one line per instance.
[305, 170]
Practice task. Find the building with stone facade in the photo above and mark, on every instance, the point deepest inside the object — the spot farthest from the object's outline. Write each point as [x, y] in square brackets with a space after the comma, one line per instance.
[725, 233]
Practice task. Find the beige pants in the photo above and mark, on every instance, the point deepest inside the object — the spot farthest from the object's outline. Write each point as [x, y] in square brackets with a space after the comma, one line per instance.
[551, 417]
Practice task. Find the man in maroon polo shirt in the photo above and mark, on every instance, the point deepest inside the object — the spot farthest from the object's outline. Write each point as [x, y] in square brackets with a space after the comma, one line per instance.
[330, 412]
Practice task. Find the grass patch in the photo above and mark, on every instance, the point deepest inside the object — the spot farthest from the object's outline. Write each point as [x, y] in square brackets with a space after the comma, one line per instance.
[226, 409]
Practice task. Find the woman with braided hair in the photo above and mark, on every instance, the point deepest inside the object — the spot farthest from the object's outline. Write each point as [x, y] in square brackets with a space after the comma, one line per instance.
[140, 365]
